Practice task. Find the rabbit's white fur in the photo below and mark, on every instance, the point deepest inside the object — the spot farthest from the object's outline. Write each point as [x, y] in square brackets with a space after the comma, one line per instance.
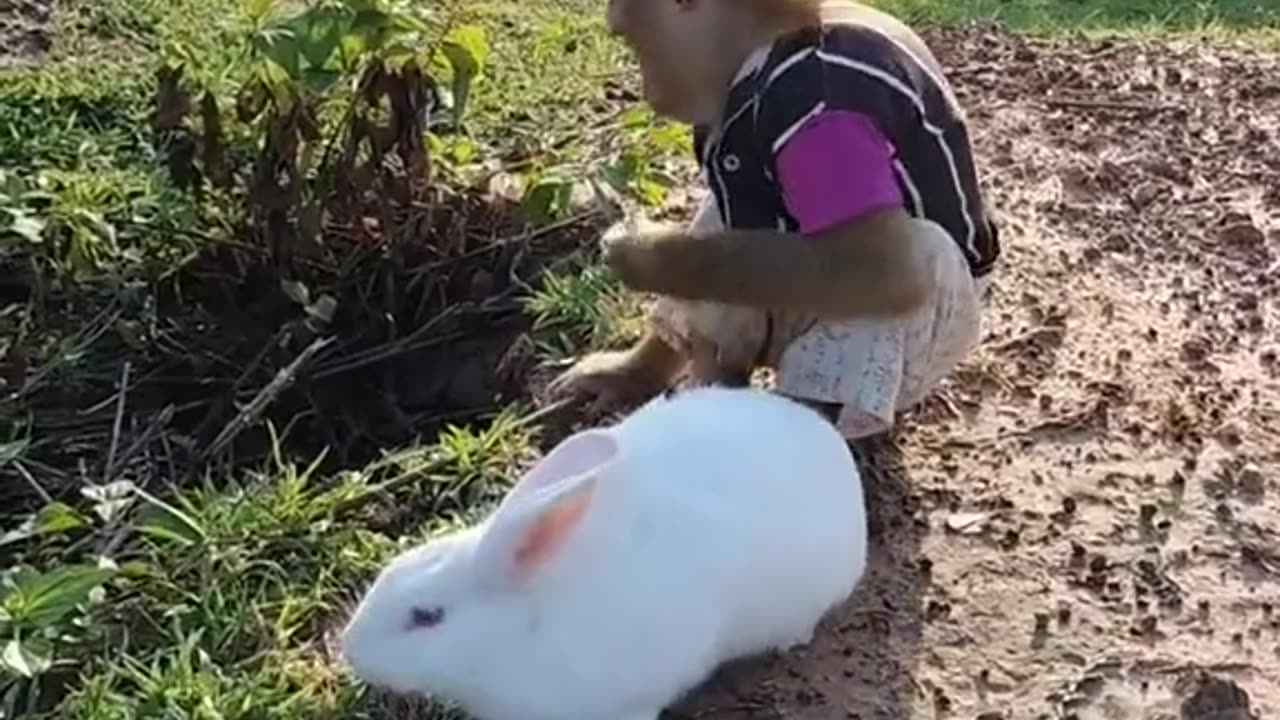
[627, 565]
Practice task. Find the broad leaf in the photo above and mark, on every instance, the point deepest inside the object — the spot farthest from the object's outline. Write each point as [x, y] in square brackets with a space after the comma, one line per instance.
[323, 308]
[318, 33]
[547, 200]
[650, 191]
[58, 517]
[371, 26]
[163, 521]
[296, 291]
[28, 227]
[13, 450]
[279, 45]
[636, 117]
[27, 658]
[467, 49]
[403, 22]
[257, 10]
[41, 600]
[110, 500]
[27, 529]
[319, 81]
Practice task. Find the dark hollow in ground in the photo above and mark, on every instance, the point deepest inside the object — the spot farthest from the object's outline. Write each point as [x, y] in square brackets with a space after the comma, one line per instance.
[418, 336]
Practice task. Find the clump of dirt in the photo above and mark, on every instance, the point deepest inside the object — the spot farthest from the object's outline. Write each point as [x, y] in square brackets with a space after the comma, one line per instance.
[1077, 525]
[1216, 699]
[24, 31]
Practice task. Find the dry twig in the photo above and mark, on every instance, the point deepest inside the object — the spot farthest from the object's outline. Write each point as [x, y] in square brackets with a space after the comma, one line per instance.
[117, 423]
[252, 411]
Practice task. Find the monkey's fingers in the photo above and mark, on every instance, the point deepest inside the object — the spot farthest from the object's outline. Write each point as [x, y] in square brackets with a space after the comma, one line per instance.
[556, 389]
[572, 387]
[579, 385]
[604, 403]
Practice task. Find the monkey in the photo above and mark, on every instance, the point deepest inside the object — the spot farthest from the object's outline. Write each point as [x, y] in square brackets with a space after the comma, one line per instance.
[845, 239]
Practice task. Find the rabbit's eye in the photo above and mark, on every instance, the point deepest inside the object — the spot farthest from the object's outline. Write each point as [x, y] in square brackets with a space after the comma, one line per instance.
[426, 617]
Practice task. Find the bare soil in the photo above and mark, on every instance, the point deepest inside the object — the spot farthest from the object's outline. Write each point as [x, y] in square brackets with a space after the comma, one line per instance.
[24, 34]
[1083, 523]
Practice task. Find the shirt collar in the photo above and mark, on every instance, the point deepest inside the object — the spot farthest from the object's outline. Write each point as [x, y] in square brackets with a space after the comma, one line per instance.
[756, 60]
[753, 63]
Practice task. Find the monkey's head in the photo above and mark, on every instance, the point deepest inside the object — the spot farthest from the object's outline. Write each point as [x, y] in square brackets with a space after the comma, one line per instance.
[690, 50]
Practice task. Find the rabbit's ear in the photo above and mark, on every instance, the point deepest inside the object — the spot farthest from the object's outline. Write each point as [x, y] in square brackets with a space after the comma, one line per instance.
[579, 453]
[554, 497]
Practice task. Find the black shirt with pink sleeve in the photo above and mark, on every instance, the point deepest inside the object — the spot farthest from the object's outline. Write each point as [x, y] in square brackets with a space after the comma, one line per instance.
[831, 122]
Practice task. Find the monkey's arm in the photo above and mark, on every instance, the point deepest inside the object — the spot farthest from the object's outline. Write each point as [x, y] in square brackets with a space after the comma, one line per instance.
[868, 266]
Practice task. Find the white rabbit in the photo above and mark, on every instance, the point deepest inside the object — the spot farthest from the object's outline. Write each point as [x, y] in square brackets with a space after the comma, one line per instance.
[627, 565]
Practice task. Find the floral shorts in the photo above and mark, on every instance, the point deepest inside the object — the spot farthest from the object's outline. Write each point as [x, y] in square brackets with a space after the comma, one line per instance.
[869, 368]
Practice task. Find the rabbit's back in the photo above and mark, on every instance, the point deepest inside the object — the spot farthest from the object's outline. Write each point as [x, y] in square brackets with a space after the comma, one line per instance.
[760, 503]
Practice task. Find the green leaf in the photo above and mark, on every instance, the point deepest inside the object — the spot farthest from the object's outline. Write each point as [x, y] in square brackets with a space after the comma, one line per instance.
[93, 224]
[166, 522]
[279, 45]
[26, 226]
[405, 23]
[25, 530]
[323, 308]
[110, 500]
[396, 55]
[257, 10]
[27, 658]
[466, 47]
[137, 570]
[296, 291]
[275, 80]
[616, 175]
[58, 517]
[41, 600]
[12, 450]
[547, 200]
[319, 81]
[369, 29]
[463, 151]
[636, 117]
[649, 191]
[672, 139]
[165, 531]
[52, 519]
[318, 33]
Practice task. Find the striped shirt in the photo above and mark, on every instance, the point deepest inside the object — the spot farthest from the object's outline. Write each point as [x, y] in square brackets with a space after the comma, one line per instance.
[846, 113]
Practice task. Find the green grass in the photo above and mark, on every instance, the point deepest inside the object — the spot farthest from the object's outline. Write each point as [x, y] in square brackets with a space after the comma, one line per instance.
[215, 601]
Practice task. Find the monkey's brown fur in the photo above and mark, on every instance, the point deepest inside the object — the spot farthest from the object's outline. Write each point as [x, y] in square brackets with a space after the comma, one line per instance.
[866, 267]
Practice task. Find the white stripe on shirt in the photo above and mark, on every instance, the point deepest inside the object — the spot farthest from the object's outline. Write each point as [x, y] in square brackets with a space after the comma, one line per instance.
[917, 203]
[938, 134]
[795, 126]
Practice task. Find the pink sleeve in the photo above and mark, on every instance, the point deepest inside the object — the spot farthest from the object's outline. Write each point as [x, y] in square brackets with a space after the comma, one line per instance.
[837, 167]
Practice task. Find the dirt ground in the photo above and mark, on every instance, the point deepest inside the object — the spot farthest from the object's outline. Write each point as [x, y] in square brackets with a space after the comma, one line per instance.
[1084, 521]
[24, 36]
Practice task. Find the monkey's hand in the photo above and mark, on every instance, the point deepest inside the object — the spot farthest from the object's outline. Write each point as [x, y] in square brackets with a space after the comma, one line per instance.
[608, 379]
